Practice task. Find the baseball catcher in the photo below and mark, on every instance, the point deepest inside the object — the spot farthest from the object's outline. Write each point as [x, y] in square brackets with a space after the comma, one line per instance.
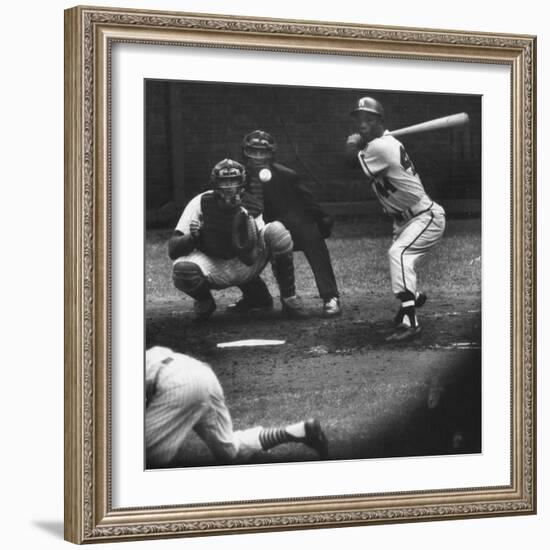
[418, 221]
[221, 240]
[282, 196]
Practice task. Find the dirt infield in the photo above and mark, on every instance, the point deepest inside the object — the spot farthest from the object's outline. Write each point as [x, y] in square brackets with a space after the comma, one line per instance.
[374, 399]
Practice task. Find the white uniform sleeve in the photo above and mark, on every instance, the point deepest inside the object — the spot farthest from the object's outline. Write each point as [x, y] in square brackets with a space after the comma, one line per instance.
[375, 157]
[192, 212]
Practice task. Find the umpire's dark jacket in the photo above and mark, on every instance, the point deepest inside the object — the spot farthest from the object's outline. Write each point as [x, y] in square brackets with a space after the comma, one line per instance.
[287, 199]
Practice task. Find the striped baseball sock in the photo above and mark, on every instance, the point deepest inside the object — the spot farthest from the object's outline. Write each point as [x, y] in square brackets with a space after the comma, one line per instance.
[271, 437]
[409, 314]
[408, 306]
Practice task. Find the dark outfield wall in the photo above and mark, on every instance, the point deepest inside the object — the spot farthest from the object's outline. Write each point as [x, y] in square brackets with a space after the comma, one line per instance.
[191, 125]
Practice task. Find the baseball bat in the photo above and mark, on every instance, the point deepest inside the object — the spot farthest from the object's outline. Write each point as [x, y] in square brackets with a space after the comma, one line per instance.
[451, 121]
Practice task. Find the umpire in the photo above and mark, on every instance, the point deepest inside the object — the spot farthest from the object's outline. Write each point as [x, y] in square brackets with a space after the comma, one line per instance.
[286, 199]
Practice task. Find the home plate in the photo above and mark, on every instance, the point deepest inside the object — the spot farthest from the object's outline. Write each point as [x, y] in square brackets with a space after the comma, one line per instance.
[250, 343]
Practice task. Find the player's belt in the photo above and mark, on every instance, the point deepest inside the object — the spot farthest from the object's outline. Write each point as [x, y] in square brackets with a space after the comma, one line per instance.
[412, 212]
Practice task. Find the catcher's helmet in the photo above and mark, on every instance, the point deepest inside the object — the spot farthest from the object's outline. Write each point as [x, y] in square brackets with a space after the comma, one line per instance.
[370, 105]
[228, 180]
[258, 145]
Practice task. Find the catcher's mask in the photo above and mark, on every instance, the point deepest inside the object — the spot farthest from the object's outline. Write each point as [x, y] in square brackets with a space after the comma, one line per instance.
[258, 146]
[228, 181]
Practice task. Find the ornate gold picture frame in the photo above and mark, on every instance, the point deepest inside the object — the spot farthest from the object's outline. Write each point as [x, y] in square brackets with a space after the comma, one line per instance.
[90, 35]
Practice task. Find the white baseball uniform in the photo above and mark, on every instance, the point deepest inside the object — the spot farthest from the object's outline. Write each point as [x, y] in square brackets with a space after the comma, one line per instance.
[419, 222]
[222, 273]
[183, 393]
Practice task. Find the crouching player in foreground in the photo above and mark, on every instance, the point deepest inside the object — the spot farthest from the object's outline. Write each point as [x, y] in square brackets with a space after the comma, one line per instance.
[221, 240]
[183, 393]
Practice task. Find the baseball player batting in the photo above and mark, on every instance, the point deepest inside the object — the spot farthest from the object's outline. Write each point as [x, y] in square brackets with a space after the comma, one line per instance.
[183, 393]
[221, 240]
[418, 221]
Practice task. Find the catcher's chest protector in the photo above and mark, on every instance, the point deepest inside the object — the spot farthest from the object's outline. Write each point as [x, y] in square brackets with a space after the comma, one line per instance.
[216, 231]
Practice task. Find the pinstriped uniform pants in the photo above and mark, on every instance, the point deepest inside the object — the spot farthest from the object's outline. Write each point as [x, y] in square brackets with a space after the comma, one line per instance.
[411, 241]
[187, 395]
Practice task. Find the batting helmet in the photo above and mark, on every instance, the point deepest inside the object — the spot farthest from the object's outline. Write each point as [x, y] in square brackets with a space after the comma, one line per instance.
[258, 144]
[228, 180]
[369, 105]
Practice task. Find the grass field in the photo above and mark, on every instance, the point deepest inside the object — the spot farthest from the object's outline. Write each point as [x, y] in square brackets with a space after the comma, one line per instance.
[358, 251]
[374, 399]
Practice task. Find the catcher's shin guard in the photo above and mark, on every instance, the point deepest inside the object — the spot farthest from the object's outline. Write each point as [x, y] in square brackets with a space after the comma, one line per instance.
[283, 269]
[277, 239]
[189, 278]
[279, 243]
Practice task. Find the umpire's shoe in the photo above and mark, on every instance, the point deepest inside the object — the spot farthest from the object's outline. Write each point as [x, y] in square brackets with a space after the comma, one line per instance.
[332, 308]
[293, 308]
[204, 308]
[315, 437]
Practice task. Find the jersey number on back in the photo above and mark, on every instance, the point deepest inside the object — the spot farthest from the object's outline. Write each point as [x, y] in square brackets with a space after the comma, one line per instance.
[406, 162]
[384, 186]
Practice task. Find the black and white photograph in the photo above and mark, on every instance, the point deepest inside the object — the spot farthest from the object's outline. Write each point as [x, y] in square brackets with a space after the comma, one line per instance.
[312, 273]
[300, 265]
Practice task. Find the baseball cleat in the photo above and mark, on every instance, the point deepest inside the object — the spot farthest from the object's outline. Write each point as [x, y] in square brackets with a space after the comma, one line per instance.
[404, 333]
[315, 437]
[418, 302]
[332, 308]
[293, 308]
[248, 306]
[204, 308]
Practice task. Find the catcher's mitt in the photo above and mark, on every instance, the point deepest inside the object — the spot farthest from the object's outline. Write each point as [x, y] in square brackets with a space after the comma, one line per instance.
[244, 237]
